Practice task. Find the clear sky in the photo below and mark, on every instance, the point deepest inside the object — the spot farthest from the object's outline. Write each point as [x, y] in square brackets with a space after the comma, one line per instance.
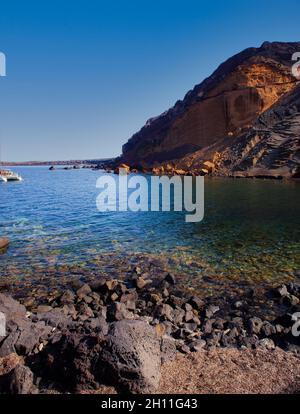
[84, 75]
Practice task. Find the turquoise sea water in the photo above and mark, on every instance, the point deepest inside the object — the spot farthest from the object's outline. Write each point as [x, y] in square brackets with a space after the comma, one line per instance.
[251, 230]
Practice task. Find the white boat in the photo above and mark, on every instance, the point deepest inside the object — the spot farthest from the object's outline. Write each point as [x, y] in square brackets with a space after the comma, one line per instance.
[7, 175]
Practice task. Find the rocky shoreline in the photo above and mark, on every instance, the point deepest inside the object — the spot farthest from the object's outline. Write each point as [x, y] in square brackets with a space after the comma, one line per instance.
[120, 333]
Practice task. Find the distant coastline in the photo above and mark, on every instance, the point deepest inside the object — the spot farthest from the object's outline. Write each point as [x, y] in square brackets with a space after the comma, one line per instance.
[65, 162]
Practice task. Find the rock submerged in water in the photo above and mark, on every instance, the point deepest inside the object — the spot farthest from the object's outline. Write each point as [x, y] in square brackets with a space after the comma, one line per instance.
[4, 243]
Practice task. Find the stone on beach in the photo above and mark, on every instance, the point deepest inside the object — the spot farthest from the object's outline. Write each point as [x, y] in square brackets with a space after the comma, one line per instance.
[22, 334]
[12, 309]
[44, 308]
[121, 334]
[132, 353]
[21, 381]
[9, 362]
[67, 298]
[83, 290]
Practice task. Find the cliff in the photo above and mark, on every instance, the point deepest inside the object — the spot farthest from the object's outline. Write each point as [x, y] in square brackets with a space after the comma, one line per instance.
[228, 118]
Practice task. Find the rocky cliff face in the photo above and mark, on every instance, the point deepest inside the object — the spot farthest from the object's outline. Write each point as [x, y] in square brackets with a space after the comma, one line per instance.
[271, 147]
[224, 118]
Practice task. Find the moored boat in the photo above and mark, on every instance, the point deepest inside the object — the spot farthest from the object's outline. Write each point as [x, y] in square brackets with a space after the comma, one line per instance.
[7, 175]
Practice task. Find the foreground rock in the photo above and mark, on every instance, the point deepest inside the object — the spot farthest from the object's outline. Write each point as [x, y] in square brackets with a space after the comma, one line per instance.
[15, 377]
[20, 381]
[132, 356]
[9, 363]
[120, 332]
[23, 335]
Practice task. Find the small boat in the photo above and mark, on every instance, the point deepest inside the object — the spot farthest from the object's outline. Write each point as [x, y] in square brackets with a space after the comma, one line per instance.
[7, 175]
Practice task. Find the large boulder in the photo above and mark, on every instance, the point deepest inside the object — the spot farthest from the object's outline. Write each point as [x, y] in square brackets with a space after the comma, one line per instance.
[55, 318]
[131, 358]
[15, 377]
[22, 335]
[21, 381]
[8, 363]
[12, 309]
[70, 359]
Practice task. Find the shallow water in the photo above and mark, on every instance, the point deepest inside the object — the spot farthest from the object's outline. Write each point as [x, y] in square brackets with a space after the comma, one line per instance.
[250, 233]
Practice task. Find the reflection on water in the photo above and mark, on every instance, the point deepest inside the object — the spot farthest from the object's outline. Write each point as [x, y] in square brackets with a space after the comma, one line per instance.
[250, 231]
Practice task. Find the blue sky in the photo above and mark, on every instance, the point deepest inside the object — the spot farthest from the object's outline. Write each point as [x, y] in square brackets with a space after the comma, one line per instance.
[83, 76]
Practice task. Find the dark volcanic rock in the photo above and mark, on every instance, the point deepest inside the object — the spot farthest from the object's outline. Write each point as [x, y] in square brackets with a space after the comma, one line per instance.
[22, 334]
[176, 301]
[198, 345]
[168, 349]
[165, 311]
[249, 341]
[71, 360]
[131, 356]
[12, 309]
[282, 291]
[67, 298]
[85, 310]
[268, 329]
[211, 310]
[255, 325]
[90, 338]
[197, 303]
[44, 309]
[83, 290]
[267, 343]
[99, 324]
[56, 318]
[21, 381]
[118, 311]
[170, 279]
[30, 336]
[9, 362]
[294, 289]
[270, 148]
[290, 300]
[140, 282]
